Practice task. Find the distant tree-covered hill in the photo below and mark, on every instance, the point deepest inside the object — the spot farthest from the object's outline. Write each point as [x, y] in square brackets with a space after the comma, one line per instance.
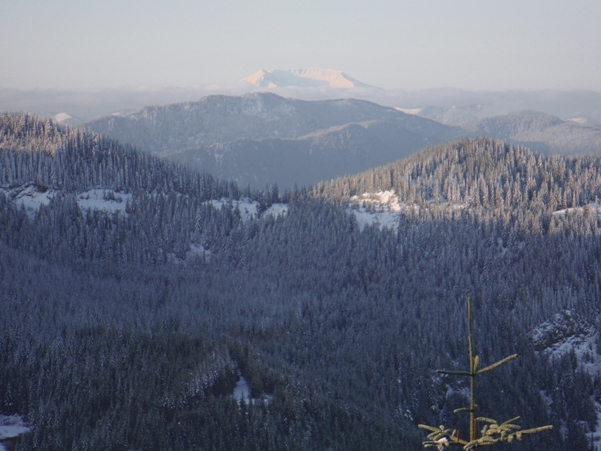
[262, 138]
[481, 174]
[39, 151]
[540, 132]
[457, 107]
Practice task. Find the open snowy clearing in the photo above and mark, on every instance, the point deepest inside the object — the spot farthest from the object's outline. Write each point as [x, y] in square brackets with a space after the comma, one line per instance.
[383, 209]
[249, 209]
[242, 394]
[32, 197]
[10, 427]
[592, 208]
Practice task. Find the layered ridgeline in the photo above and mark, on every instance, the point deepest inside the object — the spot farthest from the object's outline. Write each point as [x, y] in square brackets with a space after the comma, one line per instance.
[262, 138]
[457, 107]
[541, 132]
[579, 135]
[131, 328]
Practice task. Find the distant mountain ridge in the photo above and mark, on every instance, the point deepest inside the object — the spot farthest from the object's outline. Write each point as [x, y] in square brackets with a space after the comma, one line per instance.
[311, 78]
[447, 105]
[263, 138]
[541, 132]
[457, 107]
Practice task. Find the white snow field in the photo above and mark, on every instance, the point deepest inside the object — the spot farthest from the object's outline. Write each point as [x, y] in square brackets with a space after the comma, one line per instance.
[11, 426]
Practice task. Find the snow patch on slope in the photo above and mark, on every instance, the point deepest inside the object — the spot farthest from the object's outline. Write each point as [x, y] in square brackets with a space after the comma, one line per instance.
[384, 209]
[592, 208]
[250, 209]
[11, 427]
[276, 210]
[412, 111]
[242, 391]
[569, 332]
[242, 394]
[32, 197]
[104, 200]
[61, 117]
[380, 209]
[584, 120]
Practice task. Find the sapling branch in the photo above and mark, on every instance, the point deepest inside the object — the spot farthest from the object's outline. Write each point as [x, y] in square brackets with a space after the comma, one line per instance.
[492, 432]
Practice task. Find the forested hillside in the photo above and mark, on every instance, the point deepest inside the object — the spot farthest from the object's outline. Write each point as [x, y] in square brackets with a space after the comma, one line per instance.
[130, 329]
[482, 175]
[262, 138]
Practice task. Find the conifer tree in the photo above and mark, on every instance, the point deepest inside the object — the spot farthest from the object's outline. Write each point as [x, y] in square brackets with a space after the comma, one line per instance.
[492, 432]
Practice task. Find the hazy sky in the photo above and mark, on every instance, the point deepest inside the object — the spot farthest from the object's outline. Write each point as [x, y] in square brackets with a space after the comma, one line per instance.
[407, 44]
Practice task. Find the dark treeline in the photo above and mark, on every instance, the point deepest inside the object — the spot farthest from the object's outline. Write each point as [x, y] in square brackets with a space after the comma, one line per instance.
[115, 335]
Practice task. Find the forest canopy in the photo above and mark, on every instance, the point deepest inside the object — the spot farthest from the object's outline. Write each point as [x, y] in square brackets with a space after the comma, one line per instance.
[129, 330]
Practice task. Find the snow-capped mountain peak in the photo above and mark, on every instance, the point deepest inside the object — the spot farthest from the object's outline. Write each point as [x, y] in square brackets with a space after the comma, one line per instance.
[311, 77]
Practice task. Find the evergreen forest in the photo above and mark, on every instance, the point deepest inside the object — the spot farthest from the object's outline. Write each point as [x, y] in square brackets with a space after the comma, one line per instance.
[130, 330]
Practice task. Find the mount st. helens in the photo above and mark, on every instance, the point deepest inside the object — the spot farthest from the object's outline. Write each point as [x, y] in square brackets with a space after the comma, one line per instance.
[303, 78]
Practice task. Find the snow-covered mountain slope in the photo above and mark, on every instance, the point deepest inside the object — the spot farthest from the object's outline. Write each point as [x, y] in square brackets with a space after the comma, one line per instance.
[321, 307]
[303, 78]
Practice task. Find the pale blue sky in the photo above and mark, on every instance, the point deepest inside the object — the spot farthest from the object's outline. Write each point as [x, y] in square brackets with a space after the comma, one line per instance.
[407, 44]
